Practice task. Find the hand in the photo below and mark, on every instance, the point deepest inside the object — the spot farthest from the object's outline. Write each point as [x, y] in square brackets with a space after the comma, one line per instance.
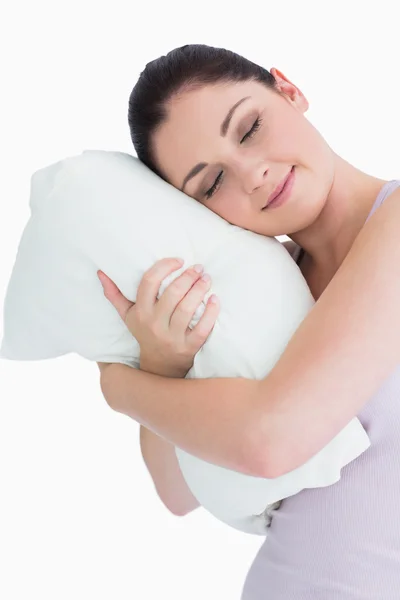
[161, 327]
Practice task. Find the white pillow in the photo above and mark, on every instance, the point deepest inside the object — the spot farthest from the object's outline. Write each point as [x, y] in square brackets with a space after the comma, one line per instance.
[106, 210]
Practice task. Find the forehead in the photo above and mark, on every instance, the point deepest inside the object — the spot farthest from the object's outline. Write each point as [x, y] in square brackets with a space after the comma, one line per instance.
[211, 100]
[192, 127]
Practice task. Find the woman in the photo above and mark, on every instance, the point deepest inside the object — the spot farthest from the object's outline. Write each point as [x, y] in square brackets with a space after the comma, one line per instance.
[230, 133]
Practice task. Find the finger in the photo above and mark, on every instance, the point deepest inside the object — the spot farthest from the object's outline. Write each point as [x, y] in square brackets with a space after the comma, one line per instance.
[150, 283]
[115, 296]
[176, 292]
[199, 334]
[185, 310]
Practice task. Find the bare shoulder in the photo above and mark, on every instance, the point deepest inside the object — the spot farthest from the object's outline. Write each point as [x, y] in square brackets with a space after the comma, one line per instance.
[383, 224]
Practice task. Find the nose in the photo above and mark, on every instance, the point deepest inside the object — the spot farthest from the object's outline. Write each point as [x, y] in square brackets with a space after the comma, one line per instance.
[252, 176]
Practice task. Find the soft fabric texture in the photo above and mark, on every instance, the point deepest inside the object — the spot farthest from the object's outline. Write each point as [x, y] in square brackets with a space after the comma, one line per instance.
[342, 542]
[106, 210]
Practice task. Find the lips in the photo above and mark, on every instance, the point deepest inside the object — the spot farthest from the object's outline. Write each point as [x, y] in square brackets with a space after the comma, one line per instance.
[278, 189]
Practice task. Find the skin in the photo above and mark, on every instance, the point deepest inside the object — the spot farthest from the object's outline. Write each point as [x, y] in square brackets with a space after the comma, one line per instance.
[330, 200]
[343, 359]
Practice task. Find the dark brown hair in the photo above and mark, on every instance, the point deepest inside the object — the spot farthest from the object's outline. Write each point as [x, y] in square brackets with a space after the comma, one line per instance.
[183, 68]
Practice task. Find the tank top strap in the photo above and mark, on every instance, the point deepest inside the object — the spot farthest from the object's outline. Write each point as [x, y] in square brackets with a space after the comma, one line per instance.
[386, 190]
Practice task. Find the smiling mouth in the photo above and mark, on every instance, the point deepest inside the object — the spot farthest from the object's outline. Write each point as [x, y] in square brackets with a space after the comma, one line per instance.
[281, 193]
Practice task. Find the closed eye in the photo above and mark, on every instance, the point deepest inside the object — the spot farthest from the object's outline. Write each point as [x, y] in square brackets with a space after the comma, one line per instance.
[214, 186]
[256, 126]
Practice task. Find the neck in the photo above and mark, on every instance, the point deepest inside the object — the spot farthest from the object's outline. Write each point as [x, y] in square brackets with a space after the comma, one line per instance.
[351, 197]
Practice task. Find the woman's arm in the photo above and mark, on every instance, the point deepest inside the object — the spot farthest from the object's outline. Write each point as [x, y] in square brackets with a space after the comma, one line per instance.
[343, 351]
[338, 358]
[162, 463]
[210, 418]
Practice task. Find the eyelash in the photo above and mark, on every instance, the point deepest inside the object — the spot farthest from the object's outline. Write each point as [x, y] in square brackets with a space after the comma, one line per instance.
[255, 127]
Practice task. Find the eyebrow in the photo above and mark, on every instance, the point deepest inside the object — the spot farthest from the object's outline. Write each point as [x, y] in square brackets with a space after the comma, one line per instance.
[223, 130]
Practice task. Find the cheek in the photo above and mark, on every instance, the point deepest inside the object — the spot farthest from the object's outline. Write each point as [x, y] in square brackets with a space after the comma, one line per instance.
[280, 147]
[230, 205]
[285, 139]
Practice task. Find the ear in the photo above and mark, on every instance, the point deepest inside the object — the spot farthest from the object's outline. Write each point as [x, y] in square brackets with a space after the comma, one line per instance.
[293, 94]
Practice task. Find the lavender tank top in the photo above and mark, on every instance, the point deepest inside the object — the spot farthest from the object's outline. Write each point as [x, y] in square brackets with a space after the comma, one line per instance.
[341, 542]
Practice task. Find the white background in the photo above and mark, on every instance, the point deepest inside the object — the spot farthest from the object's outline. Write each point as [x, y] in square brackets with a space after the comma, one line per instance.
[79, 517]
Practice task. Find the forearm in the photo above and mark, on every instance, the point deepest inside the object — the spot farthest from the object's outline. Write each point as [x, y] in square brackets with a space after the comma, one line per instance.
[162, 463]
[214, 419]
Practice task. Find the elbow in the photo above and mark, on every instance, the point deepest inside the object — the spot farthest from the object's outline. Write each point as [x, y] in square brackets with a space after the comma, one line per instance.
[255, 461]
[180, 512]
[264, 460]
[261, 450]
[267, 457]
[264, 466]
[271, 464]
[179, 508]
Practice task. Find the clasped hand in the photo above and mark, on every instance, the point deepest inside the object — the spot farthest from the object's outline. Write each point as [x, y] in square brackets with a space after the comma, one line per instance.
[161, 326]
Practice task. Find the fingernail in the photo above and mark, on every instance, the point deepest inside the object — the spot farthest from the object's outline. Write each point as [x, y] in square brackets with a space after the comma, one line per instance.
[213, 299]
[198, 268]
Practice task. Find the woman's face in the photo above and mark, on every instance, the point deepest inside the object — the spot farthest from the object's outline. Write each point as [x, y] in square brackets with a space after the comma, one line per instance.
[229, 145]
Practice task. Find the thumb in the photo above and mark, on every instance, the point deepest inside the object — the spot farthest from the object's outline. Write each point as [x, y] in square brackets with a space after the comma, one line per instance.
[115, 296]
